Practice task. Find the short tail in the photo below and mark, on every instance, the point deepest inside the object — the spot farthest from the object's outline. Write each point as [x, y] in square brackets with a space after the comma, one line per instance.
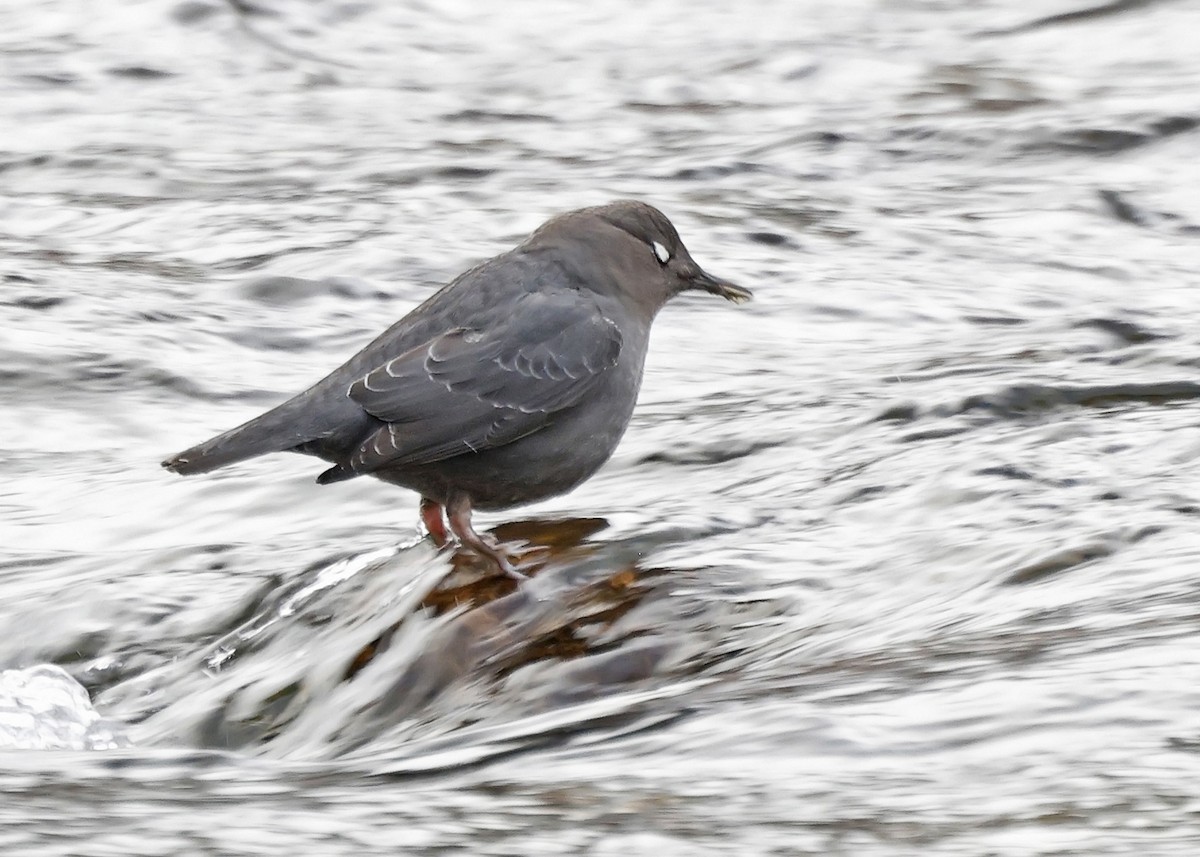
[228, 448]
[276, 430]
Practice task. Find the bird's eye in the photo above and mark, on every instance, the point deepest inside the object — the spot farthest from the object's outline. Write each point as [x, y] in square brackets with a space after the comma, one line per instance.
[663, 254]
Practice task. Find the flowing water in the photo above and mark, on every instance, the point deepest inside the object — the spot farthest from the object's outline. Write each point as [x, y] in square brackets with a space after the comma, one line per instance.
[900, 558]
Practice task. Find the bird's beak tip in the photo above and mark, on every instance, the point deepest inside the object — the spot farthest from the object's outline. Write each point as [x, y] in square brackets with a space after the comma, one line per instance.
[736, 294]
[713, 285]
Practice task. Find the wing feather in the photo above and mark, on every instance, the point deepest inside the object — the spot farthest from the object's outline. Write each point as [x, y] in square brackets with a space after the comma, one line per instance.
[474, 389]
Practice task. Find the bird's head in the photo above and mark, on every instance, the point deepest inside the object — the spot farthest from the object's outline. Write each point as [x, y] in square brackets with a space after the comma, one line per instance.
[632, 248]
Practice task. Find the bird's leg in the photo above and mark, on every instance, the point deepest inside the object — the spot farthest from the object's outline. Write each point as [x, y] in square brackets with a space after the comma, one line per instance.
[435, 523]
[458, 511]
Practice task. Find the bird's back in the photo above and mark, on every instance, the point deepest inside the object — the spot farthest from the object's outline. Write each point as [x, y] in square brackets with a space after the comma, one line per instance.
[324, 421]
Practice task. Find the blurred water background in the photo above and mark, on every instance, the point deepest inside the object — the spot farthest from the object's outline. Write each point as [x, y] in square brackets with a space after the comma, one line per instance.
[900, 558]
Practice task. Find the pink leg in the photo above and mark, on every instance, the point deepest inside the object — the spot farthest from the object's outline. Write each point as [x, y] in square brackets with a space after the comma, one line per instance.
[458, 510]
[431, 515]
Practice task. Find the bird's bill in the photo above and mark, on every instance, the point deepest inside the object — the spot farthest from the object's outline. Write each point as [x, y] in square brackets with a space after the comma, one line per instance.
[708, 283]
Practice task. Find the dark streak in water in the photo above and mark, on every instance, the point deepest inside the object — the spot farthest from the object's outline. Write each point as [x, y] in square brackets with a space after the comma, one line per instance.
[704, 454]
[1124, 330]
[140, 72]
[1107, 141]
[1121, 208]
[1029, 398]
[1075, 16]
[481, 116]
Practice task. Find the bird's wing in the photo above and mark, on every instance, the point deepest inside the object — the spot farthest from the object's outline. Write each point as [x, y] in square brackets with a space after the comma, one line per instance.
[472, 389]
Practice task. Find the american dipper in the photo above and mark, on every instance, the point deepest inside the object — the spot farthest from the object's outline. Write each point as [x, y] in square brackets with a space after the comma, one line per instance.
[512, 384]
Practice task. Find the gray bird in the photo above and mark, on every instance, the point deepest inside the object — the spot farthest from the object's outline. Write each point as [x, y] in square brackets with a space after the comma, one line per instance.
[512, 384]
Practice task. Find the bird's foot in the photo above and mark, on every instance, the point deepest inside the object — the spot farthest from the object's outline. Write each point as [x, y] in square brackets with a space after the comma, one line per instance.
[458, 512]
[487, 549]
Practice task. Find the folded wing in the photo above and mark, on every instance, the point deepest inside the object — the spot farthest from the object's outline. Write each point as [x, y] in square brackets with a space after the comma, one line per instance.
[472, 389]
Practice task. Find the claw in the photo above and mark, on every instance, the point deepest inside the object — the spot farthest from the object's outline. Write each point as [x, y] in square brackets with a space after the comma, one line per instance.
[458, 512]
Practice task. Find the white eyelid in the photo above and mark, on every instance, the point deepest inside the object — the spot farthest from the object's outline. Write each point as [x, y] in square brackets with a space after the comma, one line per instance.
[663, 254]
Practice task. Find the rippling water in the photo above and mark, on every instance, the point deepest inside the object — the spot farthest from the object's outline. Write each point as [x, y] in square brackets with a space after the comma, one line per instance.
[899, 558]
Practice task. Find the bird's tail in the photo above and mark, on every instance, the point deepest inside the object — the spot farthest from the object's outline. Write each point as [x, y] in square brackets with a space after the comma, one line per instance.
[276, 430]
